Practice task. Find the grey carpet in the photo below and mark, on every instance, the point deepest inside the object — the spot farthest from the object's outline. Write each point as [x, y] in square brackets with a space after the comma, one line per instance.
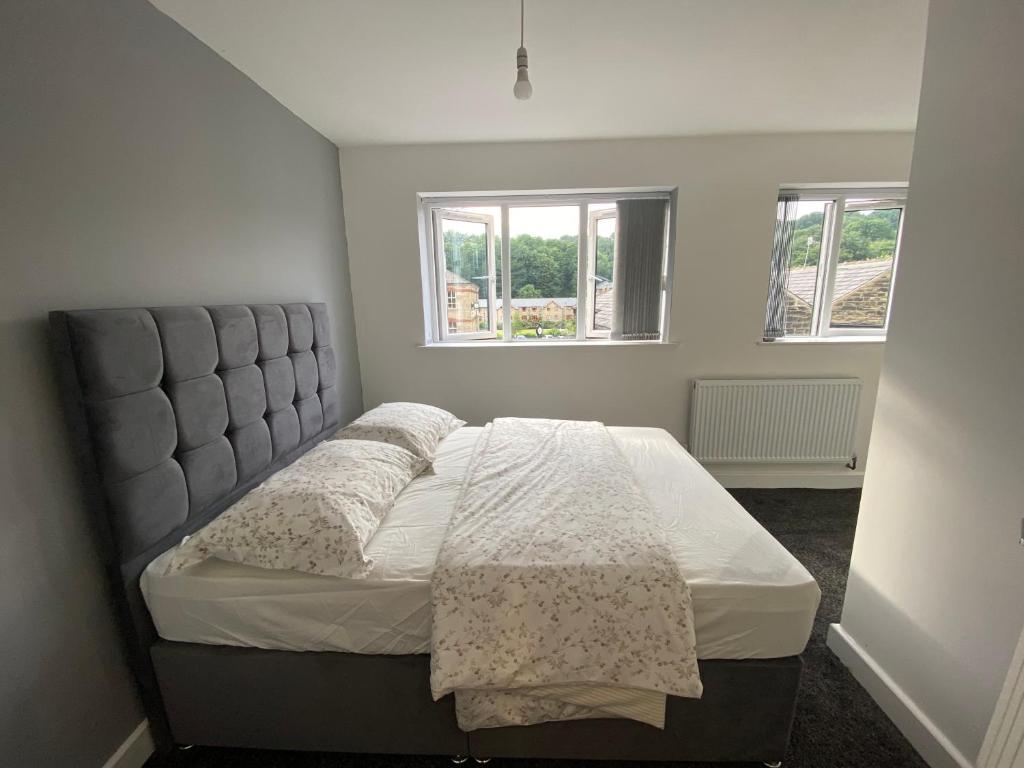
[837, 724]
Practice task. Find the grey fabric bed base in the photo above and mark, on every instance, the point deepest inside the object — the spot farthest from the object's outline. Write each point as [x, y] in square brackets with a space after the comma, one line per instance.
[342, 702]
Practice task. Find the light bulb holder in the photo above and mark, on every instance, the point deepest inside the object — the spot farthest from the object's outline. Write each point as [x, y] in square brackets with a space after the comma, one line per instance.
[522, 89]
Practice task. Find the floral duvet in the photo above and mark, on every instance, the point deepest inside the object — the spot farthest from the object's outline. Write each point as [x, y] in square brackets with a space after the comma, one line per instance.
[555, 595]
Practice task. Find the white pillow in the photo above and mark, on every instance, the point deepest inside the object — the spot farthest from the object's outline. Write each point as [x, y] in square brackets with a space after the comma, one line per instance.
[315, 515]
[416, 427]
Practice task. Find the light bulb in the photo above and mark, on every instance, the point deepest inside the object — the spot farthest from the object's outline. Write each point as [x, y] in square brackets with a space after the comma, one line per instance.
[522, 89]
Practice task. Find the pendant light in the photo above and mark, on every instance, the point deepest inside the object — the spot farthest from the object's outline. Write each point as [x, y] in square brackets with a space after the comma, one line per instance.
[522, 89]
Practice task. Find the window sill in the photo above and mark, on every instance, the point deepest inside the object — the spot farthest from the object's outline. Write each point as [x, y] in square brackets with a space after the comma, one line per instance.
[816, 340]
[543, 344]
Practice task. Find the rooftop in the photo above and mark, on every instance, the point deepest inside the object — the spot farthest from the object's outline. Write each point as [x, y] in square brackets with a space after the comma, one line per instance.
[452, 278]
[850, 276]
[603, 309]
[542, 302]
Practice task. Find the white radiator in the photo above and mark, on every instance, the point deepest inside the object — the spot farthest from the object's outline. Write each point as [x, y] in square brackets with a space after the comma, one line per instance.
[773, 420]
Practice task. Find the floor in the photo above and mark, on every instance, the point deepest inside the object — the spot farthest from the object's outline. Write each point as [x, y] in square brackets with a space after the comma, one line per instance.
[837, 724]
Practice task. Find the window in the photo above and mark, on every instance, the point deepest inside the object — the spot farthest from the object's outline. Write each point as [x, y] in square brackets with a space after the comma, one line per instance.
[464, 243]
[542, 267]
[600, 261]
[833, 261]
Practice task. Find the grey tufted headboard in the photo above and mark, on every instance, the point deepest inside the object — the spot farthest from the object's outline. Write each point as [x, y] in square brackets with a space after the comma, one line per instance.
[176, 412]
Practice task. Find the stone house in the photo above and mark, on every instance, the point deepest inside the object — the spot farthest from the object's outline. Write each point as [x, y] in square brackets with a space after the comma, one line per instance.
[860, 297]
[537, 310]
[462, 304]
[467, 312]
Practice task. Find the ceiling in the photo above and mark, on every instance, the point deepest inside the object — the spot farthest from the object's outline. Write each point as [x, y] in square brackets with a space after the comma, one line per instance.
[418, 71]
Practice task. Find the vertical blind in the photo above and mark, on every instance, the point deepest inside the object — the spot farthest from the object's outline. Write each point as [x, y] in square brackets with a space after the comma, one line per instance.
[639, 264]
[782, 247]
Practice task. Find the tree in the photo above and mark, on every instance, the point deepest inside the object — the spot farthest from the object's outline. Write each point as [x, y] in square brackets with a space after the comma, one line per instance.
[865, 235]
[549, 266]
[528, 292]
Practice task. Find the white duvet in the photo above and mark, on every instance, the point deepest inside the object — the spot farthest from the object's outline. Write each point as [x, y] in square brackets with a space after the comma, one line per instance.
[751, 598]
[555, 595]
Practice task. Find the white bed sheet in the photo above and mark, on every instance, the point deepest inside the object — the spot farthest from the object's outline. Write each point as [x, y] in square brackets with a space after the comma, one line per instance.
[751, 597]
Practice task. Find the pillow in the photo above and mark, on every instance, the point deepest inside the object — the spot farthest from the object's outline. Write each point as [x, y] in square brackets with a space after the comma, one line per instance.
[416, 427]
[315, 515]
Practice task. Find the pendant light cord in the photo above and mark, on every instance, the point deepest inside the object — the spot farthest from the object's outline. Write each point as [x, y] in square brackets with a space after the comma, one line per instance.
[522, 22]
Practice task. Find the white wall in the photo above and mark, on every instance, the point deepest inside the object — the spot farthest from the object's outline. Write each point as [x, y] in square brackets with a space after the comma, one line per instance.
[727, 193]
[936, 590]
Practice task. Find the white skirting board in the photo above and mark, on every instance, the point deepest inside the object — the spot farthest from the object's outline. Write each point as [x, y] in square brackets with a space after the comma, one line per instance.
[743, 478]
[936, 749]
[135, 750]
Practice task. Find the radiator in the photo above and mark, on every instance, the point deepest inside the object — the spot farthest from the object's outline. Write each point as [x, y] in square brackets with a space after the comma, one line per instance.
[773, 420]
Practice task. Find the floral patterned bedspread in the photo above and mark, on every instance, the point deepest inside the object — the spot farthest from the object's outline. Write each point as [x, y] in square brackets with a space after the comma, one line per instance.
[555, 594]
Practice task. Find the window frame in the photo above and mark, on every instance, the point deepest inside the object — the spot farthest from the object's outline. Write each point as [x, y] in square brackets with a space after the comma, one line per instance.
[439, 268]
[593, 218]
[881, 198]
[432, 251]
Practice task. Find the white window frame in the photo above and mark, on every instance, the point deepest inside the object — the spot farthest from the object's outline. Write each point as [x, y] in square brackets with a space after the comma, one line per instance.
[876, 198]
[445, 333]
[594, 218]
[434, 206]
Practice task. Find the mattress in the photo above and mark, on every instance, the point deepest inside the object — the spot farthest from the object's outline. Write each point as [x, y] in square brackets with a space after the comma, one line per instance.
[751, 598]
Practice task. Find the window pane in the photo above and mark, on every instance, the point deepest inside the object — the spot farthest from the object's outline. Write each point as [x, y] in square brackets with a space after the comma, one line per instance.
[867, 246]
[601, 296]
[544, 250]
[802, 278]
[466, 268]
[499, 301]
[466, 275]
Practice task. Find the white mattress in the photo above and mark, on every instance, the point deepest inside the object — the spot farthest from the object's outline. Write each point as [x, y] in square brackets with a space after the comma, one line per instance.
[751, 597]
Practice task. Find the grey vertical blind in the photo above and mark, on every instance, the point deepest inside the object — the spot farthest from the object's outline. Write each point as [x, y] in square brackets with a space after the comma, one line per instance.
[782, 247]
[639, 264]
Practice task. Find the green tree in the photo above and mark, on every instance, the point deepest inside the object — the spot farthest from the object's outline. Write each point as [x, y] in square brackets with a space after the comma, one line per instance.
[869, 235]
[528, 292]
[865, 235]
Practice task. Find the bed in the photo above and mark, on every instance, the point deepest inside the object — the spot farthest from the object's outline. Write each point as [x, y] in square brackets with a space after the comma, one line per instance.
[232, 655]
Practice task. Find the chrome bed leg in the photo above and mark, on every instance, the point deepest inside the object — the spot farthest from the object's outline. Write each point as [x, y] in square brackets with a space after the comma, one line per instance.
[481, 760]
[183, 747]
[776, 764]
[458, 759]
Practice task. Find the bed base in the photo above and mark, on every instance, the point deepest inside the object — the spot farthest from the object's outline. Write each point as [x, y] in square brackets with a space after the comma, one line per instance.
[342, 702]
